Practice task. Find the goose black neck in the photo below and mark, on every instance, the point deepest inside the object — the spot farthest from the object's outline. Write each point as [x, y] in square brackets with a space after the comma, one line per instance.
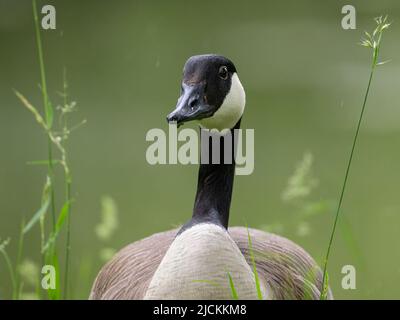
[215, 182]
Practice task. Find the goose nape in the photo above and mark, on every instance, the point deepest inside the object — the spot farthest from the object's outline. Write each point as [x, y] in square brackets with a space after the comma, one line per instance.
[204, 257]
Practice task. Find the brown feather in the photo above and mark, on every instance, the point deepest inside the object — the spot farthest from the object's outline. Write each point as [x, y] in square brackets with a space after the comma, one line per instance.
[289, 270]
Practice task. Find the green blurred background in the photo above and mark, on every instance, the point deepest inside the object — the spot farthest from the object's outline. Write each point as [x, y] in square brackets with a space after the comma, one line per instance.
[304, 77]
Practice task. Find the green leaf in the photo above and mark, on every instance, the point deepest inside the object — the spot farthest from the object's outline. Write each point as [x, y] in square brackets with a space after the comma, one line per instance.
[232, 286]
[253, 262]
[62, 216]
[36, 217]
[60, 222]
[325, 289]
[3, 252]
[49, 242]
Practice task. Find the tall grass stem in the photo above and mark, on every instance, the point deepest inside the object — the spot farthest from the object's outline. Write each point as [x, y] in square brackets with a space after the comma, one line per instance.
[48, 111]
[373, 42]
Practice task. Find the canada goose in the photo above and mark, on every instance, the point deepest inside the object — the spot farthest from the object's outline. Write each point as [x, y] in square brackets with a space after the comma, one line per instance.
[195, 261]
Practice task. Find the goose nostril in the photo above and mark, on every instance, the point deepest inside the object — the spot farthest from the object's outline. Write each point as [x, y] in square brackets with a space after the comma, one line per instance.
[192, 103]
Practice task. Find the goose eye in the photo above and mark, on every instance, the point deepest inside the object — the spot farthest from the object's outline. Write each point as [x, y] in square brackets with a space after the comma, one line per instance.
[223, 72]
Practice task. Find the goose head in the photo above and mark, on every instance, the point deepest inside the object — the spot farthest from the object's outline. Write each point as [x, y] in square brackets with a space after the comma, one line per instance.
[211, 93]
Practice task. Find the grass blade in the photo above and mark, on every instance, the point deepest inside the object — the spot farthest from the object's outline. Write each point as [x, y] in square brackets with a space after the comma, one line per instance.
[59, 224]
[36, 217]
[232, 286]
[62, 216]
[52, 259]
[253, 262]
[47, 105]
[49, 112]
[4, 253]
[325, 287]
[376, 40]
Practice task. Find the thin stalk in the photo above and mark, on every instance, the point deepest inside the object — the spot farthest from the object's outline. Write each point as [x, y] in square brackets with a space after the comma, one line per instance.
[17, 263]
[253, 263]
[68, 182]
[12, 273]
[51, 176]
[48, 111]
[68, 241]
[233, 289]
[374, 43]
[345, 180]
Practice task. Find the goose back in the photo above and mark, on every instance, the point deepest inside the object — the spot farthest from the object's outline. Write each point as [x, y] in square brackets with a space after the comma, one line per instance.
[283, 266]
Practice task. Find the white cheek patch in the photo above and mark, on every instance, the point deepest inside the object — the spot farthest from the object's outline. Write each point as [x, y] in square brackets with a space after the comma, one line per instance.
[231, 109]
